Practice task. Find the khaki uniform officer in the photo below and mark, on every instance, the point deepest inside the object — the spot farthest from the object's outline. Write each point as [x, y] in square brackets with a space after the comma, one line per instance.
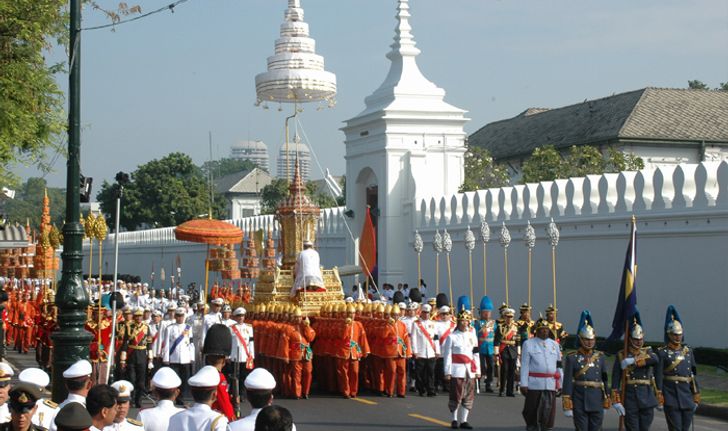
[121, 422]
[22, 407]
[46, 409]
[73, 417]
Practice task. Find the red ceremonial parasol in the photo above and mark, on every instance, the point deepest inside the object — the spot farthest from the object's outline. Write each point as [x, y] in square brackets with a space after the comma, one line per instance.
[208, 231]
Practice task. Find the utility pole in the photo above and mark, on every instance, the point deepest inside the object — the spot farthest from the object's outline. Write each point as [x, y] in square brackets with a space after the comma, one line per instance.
[71, 341]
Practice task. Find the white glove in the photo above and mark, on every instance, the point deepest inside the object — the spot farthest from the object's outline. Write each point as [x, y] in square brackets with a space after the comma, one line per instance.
[626, 362]
[150, 365]
[695, 408]
[619, 408]
[569, 413]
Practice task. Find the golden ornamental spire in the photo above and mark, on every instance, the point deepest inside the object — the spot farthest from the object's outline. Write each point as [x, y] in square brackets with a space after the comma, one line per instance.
[298, 217]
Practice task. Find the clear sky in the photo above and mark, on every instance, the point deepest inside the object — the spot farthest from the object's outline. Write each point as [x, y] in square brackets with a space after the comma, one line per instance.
[161, 83]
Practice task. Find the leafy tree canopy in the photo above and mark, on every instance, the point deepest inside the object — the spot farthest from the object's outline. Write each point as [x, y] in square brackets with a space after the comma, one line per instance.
[481, 172]
[277, 190]
[547, 164]
[28, 203]
[31, 103]
[700, 85]
[695, 84]
[226, 166]
[164, 192]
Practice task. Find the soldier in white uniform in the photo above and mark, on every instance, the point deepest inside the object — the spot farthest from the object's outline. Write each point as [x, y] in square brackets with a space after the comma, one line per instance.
[410, 315]
[308, 269]
[445, 326]
[123, 402]
[213, 317]
[226, 313]
[77, 379]
[426, 349]
[259, 385]
[243, 353]
[154, 332]
[46, 409]
[179, 351]
[541, 377]
[200, 416]
[6, 373]
[196, 322]
[78, 382]
[462, 368]
[166, 385]
[162, 332]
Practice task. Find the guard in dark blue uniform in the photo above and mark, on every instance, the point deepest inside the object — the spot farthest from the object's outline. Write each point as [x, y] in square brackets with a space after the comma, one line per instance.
[675, 375]
[640, 392]
[584, 396]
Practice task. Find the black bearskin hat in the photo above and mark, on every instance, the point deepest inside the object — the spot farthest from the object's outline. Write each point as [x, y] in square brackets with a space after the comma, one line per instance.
[218, 341]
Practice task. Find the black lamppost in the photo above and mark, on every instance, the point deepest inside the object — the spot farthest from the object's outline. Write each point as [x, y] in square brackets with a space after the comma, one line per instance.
[71, 341]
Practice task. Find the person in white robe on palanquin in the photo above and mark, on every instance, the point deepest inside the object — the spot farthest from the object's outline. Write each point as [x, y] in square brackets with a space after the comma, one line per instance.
[308, 269]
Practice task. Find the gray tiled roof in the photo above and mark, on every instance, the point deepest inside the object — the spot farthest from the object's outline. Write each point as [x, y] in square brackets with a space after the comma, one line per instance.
[649, 113]
[251, 181]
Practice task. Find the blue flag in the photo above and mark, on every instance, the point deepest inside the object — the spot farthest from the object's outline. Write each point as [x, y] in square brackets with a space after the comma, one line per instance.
[627, 299]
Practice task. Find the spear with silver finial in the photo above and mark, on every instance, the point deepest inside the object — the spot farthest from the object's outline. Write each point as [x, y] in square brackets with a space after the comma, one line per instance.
[470, 245]
[553, 233]
[529, 237]
[447, 246]
[505, 241]
[437, 246]
[485, 236]
[418, 245]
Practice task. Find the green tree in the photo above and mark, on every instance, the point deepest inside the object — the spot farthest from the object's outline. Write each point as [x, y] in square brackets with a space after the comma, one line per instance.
[321, 198]
[28, 203]
[164, 192]
[545, 164]
[697, 85]
[31, 103]
[481, 172]
[618, 161]
[584, 160]
[226, 166]
[273, 194]
[723, 86]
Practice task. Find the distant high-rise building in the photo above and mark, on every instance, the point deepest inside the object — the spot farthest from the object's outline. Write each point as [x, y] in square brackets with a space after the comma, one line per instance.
[255, 151]
[304, 160]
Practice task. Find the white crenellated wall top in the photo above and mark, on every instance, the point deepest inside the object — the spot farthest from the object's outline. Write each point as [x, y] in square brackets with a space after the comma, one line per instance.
[684, 186]
[330, 223]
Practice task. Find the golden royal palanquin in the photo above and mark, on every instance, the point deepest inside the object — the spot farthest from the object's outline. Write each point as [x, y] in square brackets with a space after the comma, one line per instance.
[297, 217]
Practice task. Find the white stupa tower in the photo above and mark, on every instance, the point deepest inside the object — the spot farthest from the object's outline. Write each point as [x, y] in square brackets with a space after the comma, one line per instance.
[406, 145]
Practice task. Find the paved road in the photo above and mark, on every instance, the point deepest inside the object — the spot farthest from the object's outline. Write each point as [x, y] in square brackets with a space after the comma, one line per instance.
[323, 412]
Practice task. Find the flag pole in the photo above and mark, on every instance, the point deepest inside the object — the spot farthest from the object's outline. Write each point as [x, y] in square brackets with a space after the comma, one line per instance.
[623, 389]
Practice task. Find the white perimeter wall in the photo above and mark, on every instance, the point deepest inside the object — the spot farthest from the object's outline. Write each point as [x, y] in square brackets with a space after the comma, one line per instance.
[682, 215]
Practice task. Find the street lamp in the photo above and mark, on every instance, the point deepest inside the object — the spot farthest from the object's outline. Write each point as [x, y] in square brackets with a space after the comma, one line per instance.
[71, 341]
